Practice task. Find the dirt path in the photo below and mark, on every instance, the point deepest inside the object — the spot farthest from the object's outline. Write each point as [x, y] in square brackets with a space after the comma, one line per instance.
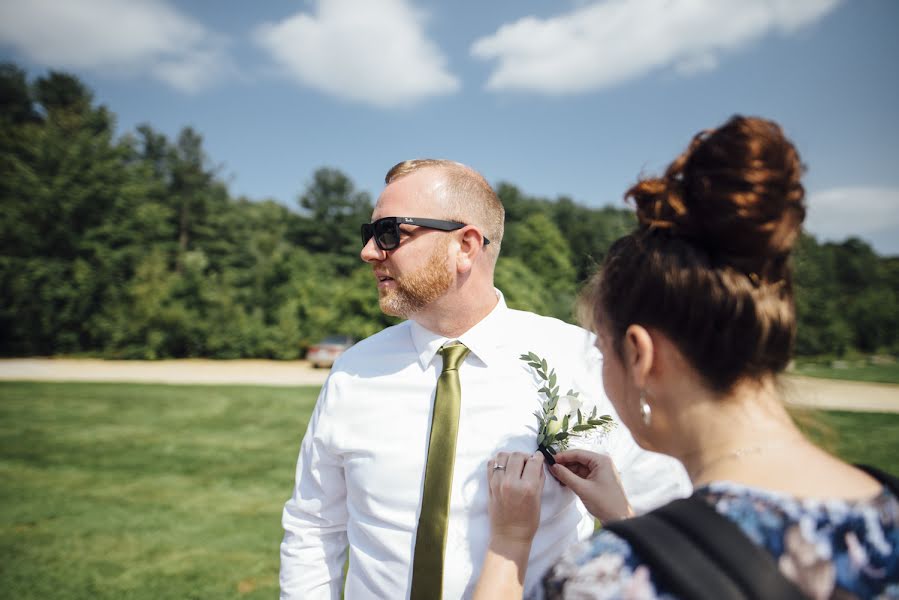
[262, 372]
[803, 391]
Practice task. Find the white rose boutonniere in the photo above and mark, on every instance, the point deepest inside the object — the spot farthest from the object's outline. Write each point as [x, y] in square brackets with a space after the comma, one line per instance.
[561, 417]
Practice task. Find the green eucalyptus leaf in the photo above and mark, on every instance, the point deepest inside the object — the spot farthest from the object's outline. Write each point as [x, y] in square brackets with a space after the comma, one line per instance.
[582, 427]
[562, 435]
[565, 423]
[580, 417]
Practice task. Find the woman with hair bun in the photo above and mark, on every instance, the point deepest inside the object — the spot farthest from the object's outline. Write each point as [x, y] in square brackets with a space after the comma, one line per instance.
[695, 319]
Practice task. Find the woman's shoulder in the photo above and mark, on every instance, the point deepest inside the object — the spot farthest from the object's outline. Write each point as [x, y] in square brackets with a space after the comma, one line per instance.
[602, 567]
[762, 513]
[819, 544]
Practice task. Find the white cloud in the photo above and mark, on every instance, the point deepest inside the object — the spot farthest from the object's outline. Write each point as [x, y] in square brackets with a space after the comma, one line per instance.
[603, 44]
[370, 52]
[871, 213]
[111, 36]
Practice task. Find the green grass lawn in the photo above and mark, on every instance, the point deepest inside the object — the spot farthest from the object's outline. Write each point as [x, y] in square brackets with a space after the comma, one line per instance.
[145, 491]
[850, 370]
[126, 491]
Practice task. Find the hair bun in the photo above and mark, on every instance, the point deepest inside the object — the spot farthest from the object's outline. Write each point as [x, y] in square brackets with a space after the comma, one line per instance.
[735, 192]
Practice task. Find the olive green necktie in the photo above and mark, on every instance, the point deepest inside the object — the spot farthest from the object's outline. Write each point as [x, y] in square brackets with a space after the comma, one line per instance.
[430, 538]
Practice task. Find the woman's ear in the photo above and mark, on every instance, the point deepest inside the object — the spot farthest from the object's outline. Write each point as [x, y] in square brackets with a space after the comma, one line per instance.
[639, 354]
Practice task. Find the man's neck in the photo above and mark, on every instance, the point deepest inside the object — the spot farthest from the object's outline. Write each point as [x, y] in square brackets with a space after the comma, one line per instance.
[451, 316]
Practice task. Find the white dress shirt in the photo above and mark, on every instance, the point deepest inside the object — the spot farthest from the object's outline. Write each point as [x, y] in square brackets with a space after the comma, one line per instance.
[361, 467]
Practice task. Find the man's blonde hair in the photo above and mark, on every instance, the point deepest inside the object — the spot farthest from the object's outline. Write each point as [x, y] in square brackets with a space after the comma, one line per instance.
[469, 198]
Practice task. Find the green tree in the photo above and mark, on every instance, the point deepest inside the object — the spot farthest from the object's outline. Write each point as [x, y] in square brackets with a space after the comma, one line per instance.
[537, 242]
[516, 281]
[133, 247]
[62, 175]
[590, 232]
[333, 211]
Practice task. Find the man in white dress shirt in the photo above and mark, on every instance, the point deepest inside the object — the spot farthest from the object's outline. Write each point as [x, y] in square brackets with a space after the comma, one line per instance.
[362, 461]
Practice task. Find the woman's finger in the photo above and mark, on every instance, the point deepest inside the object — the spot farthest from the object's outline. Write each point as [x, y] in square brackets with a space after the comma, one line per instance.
[496, 469]
[566, 476]
[500, 462]
[515, 465]
[584, 457]
[533, 467]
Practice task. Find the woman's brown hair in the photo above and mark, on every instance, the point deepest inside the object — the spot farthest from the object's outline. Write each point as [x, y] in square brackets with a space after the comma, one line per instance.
[708, 264]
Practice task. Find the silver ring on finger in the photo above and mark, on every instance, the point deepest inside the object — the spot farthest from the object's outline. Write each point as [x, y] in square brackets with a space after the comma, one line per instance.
[499, 467]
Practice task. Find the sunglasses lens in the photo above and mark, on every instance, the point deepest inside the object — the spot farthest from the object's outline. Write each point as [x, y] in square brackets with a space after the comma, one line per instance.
[367, 232]
[388, 234]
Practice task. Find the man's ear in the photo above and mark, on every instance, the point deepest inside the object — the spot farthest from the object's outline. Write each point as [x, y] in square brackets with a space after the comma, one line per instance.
[472, 245]
[639, 354]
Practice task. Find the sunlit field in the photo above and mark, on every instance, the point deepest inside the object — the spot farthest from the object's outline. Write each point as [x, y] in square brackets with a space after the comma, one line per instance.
[145, 491]
[124, 491]
[850, 370]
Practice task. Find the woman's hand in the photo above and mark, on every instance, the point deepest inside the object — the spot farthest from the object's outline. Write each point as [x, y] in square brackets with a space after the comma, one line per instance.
[514, 496]
[594, 478]
[514, 491]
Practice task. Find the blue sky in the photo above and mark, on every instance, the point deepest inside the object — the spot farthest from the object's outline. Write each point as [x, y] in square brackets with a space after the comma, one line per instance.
[571, 97]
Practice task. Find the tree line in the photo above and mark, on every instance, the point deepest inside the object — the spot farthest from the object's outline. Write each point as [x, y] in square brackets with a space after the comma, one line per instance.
[133, 247]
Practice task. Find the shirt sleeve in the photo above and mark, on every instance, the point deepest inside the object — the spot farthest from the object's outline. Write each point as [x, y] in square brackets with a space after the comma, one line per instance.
[314, 547]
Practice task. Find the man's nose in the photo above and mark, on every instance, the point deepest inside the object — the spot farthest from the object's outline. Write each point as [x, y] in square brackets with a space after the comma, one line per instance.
[371, 252]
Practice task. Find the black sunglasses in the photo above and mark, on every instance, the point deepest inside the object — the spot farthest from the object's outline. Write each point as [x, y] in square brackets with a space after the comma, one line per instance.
[386, 231]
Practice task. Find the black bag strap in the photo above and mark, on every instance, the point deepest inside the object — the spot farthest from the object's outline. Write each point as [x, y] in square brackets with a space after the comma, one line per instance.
[891, 482]
[676, 561]
[749, 566]
[699, 554]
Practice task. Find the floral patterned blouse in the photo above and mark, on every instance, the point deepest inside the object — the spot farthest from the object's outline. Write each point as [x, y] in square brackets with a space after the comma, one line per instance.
[830, 548]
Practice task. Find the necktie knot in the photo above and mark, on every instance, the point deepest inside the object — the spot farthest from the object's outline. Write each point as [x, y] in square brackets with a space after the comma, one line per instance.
[453, 355]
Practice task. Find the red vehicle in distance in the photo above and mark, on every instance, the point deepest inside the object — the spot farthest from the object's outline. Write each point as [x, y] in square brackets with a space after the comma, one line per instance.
[324, 353]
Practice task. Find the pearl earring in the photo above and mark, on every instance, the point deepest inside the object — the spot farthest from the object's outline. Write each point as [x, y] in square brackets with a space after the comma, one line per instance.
[645, 409]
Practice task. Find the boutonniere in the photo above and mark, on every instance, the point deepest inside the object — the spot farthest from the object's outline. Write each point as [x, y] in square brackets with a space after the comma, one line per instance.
[561, 417]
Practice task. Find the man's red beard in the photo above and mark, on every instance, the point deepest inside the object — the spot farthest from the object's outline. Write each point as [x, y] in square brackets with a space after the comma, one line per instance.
[414, 291]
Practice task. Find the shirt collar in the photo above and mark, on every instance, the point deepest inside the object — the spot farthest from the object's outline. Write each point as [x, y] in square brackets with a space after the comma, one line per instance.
[483, 339]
